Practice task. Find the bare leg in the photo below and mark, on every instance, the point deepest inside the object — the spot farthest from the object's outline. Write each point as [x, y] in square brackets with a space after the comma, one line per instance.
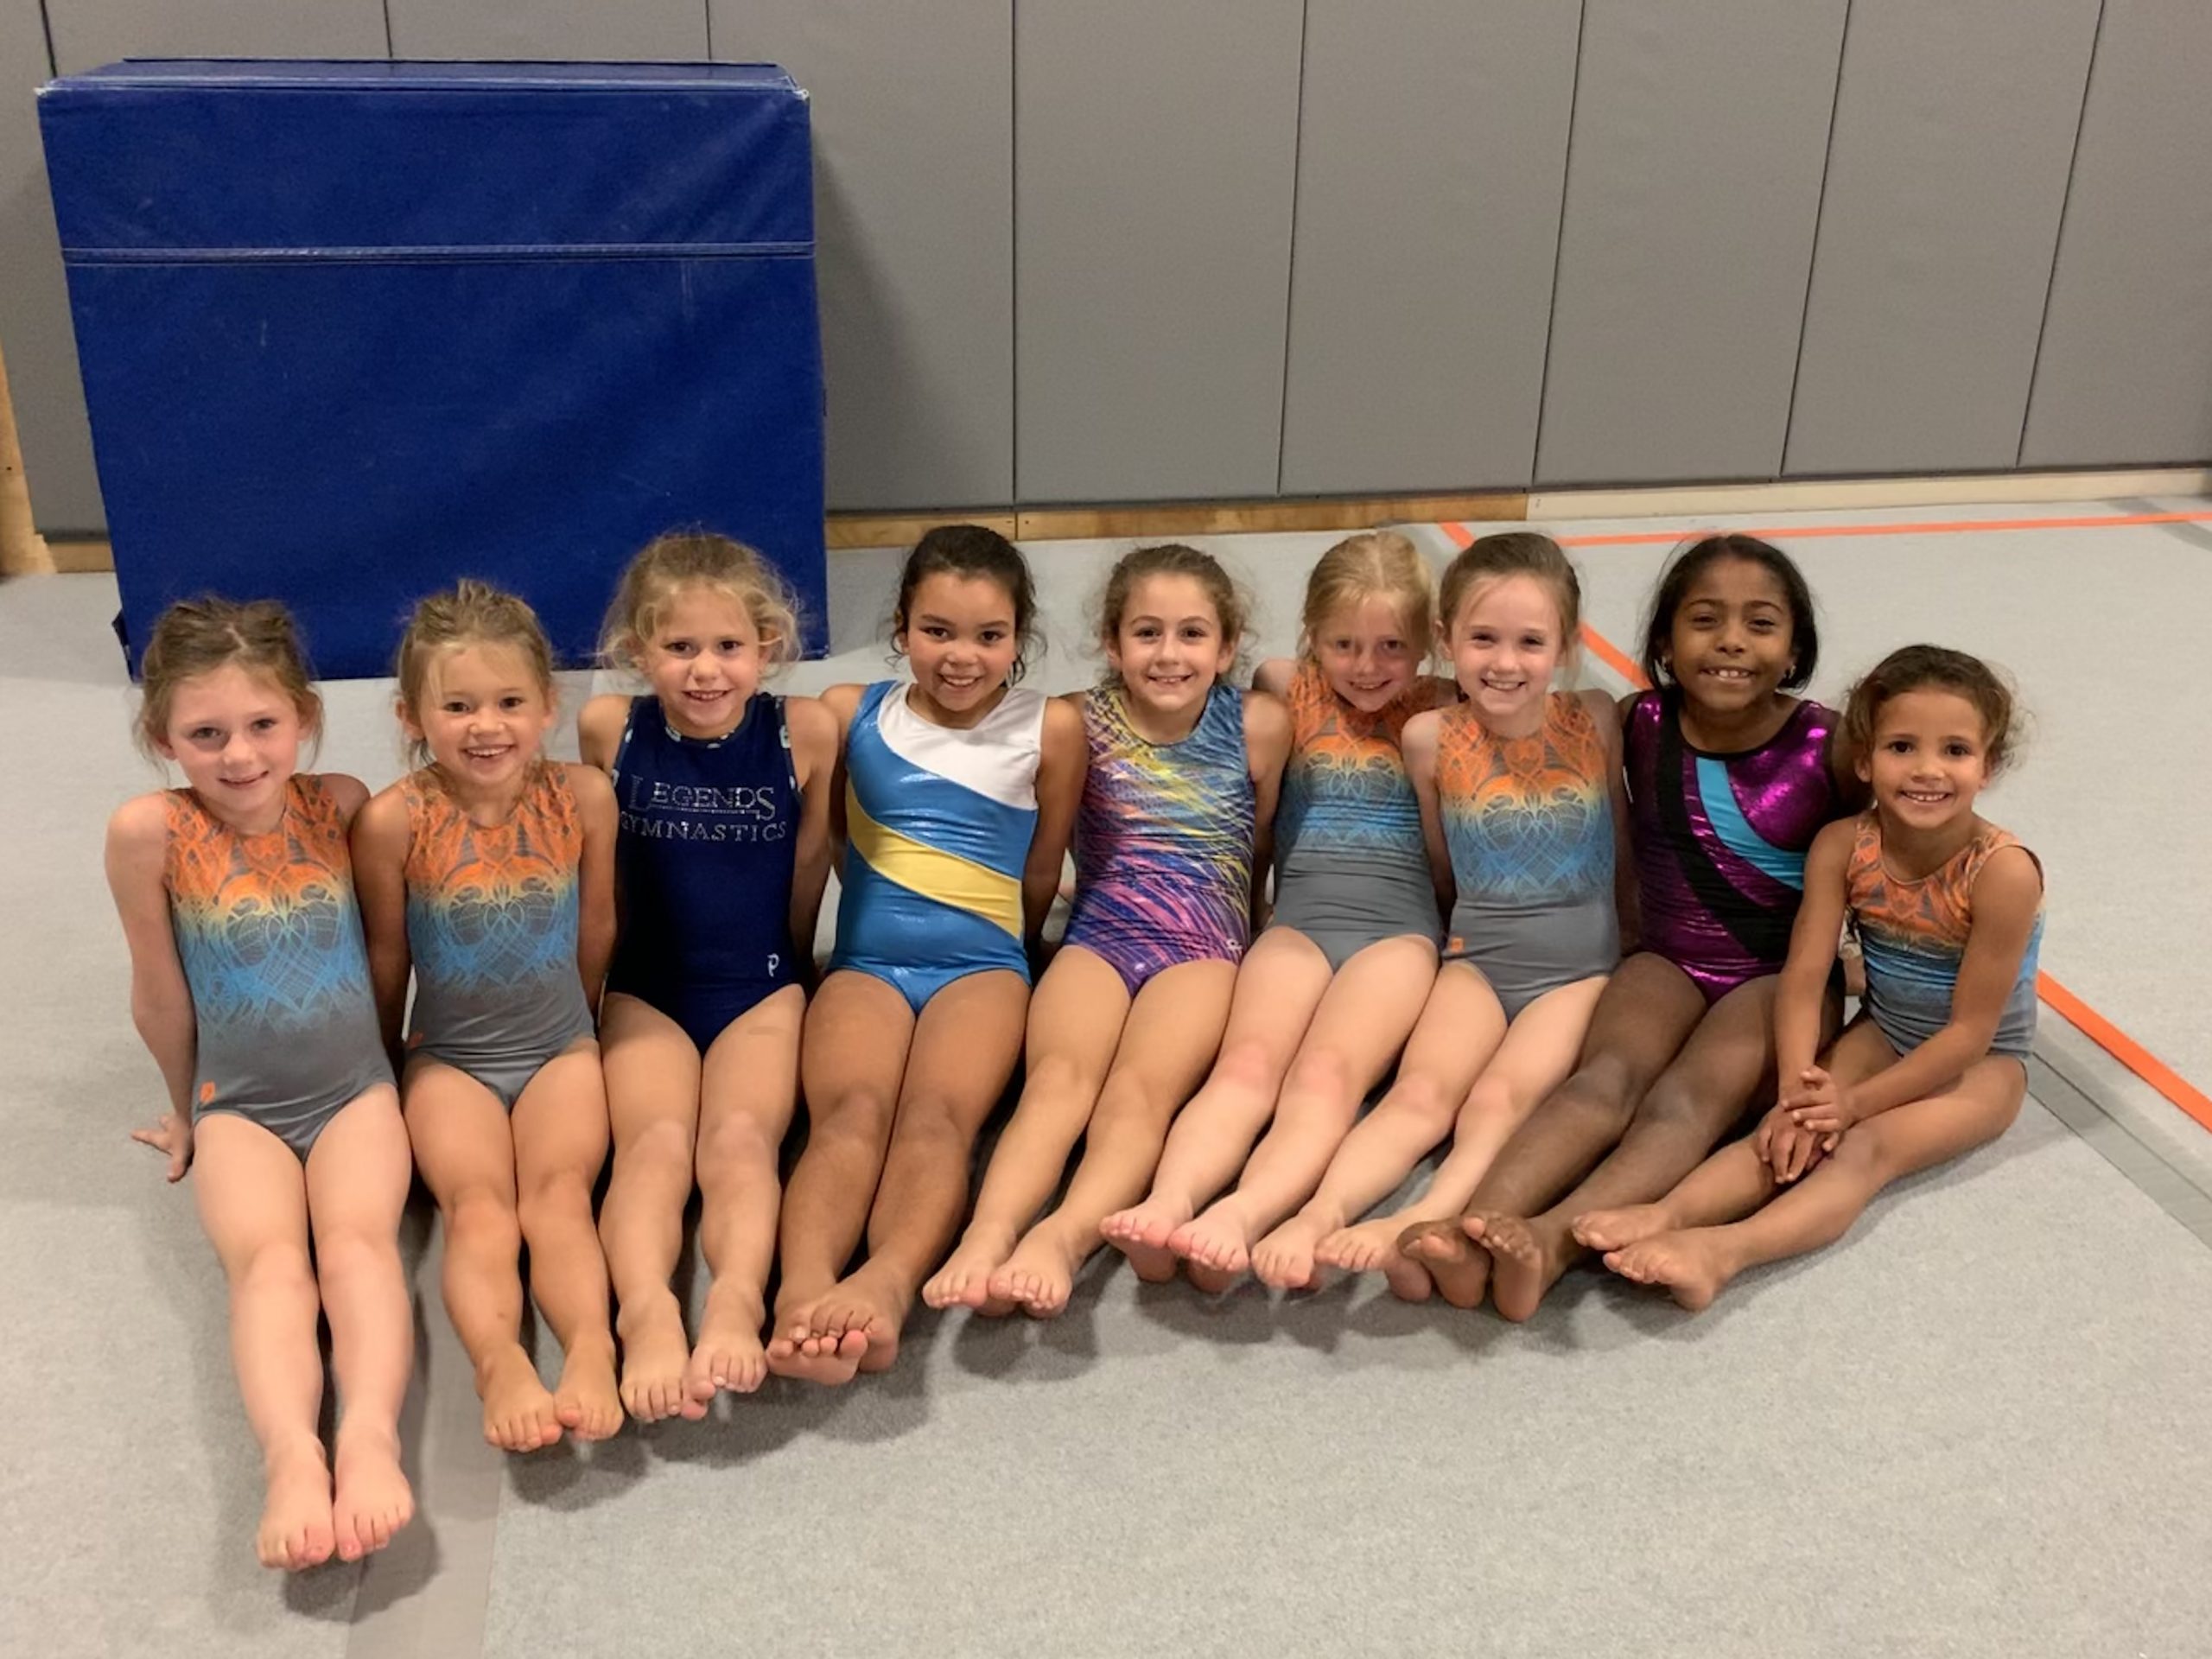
[1075, 1024]
[465, 1149]
[560, 1135]
[747, 1095]
[964, 1047]
[1363, 1022]
[1282, 983]
[851, 1059]
[1538, 1051]
[358, 1176]
[253, 1204]
[1819, 1209]
[653, 1102]
[1460, 1028]
[1172, 1036]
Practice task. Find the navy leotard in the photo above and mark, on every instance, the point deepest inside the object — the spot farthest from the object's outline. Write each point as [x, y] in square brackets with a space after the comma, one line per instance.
[704, 858]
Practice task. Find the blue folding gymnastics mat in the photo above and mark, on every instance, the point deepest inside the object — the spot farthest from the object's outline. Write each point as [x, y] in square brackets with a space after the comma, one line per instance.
[351, 331]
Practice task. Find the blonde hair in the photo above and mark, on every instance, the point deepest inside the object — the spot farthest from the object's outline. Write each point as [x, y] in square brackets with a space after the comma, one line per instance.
[1374, 564]
[1232, 607]
[471, 613]
[668, 564]
[198, 636]
[1514, 553]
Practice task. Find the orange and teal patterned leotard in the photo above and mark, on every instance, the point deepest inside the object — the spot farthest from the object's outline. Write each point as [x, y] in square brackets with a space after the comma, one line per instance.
[269, 934]
[1913, 935]
[1529, 821]
[492, 914]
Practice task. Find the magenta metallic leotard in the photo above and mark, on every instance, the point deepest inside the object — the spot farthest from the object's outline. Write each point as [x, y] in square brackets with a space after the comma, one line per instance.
[1163, 841]
[1720, 839]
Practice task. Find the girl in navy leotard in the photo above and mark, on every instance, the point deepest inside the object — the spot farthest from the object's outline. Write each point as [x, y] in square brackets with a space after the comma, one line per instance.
[723, 791]
[1177, 806]
[1729, 777]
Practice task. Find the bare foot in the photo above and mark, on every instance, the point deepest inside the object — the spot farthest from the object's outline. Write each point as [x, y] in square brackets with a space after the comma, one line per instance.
[519, 1414]
[654, 1353]
[373, 1500]
[586, 1401]
[728, 1354]
[1523, 1266]
[1141, 1235]
[296, 1529]
[1689, 1264]
[965, 1280]
[1613, 1229]
[1284, 1259]
[1372, 1247]
[1212, 1280]
[813, 1359]
[873, 1301]
[1040, 1276]
[1461, 1271]
[1220, 1239]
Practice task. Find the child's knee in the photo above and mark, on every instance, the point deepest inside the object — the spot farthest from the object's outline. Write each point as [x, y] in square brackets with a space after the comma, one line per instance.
[1320, 1072]
[348, 1252]
[736, 1149]
[1133, 1100]
[482, 1219]
[862, 1114]
[1247, 1065]
[938, 1121]
[660, 1146]
[1421, 1100]
[277, 1266]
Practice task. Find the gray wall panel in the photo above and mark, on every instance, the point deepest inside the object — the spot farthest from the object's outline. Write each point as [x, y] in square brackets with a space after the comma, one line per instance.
[1155, 152]
[913, 189]
[589, 30]
[1432, 150]
[34, 330]
[1693, 180]
[89, 32]
[2125, 372]
[1947, 175]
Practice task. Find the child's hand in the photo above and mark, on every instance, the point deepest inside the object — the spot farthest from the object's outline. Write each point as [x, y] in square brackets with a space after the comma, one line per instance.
[173, 1135]
[1785, 1146]
[1820, 1104]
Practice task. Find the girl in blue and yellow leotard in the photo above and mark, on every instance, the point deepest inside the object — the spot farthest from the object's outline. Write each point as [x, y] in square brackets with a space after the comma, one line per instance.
[1179, 792]
[961, 787]
[489, 872]
[250, 986]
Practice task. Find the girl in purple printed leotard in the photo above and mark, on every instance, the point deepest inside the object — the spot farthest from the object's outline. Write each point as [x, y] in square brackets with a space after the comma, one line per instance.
[1177, 803]
[1729, 777]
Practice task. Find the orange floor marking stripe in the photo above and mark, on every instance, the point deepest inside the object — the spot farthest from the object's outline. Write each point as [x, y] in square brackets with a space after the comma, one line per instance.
[2093, 1025]
[1949, 527]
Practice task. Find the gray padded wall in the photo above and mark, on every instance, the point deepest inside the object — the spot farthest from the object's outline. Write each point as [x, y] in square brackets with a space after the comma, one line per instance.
[1947, 175]
[1154, 153]
[89, 32]
[1693, 180]
[2125, 372]
[596, 30]
[35, 332]
[1431, 148]
[913, 191]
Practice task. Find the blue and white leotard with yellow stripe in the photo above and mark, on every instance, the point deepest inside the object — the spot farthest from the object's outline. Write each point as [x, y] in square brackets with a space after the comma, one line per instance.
[937, 827]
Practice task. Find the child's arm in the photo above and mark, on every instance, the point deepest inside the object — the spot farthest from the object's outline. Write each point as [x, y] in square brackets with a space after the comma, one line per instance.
[379, 841]
[1267, 745]
[161, 1001]
[815, 734]
[1627, 899]
[599, 730]
[1061, 767]
[842, 701]
[1801, 1001]
[1418, 743]
[2006, 895]
[595, 879]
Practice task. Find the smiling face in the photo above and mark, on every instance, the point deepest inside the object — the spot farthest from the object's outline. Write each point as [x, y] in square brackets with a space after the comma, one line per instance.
[961, 637]
[1506, 643]
[704, 660]
[1731, 645]
[1366, 654]
[236, 737]
[1168, 646]
[483, 714]
[1930, 759]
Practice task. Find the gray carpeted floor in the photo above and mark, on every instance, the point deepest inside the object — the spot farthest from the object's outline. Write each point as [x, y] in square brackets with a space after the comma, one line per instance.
[1976, 1427]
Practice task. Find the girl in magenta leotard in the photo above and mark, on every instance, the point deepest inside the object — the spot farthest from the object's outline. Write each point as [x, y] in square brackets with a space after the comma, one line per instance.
[1176, 805]
[1729, 777]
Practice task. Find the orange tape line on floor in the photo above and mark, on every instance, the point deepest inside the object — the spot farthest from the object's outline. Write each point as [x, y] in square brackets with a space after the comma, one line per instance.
[1950, 527]
[2093, 1025]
